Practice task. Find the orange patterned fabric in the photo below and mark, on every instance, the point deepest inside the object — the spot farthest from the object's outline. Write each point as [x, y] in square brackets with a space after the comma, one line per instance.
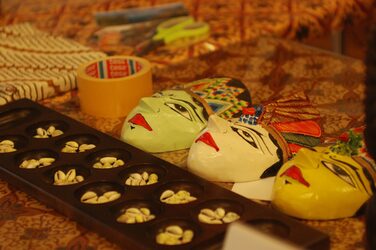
[230, 21]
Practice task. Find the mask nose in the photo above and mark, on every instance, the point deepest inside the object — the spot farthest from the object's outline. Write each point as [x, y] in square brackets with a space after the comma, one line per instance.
[307, 158]
[149, 104]
[217, 124]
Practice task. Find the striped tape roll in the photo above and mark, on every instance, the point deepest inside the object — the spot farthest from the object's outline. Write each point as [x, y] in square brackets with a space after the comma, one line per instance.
[112, 86]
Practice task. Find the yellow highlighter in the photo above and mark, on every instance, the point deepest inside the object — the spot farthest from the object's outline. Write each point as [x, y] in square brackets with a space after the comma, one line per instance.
[177, 32]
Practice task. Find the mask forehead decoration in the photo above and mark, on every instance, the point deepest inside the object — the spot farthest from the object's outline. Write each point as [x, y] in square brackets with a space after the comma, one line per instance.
[256, 144]
[171, 119]
[329, 182]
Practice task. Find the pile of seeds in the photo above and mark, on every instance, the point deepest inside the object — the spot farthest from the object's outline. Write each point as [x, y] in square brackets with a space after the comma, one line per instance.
[137, 179]
[108, 162]
[74, 147]
[60, 178]
[7, 146]
[93, 198]
[135, 215]
[50, 132]
[181, 197]
[218, 216]
[37, 163]
[174, 235]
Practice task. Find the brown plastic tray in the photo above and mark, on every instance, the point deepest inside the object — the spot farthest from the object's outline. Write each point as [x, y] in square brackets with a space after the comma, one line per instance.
[18, 121]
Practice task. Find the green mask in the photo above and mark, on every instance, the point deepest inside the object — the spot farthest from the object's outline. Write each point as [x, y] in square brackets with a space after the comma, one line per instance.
[172, 112]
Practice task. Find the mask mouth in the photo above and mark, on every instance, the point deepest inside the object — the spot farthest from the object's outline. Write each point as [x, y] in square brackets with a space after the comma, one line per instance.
[139, 120]
[208, 140]
[295, 173]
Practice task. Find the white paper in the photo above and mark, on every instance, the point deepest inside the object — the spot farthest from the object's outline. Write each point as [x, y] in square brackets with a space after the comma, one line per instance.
[241, 236]
[255, 190]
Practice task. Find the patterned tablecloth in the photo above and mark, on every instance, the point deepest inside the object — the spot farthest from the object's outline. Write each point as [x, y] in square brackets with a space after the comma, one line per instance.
[267, 66]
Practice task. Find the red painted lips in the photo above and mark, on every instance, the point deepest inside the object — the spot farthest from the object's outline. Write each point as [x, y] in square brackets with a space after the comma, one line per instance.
[208, 139]
[138, 119]
[295, 173]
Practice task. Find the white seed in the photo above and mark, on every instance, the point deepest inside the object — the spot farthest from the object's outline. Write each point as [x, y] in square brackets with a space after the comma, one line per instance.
[230, 217]
[97, 165]
[136, 176]
[109, 193]
[71, 175]
[166, 194]
[7, 143]
[6, 149]
[46, 161]
[153, 177]
[59, 176]
[93, 200]
[161, 238]
[57, 132]
[79, 178]
[88, 195]
[85, 147]
[72, 144]
[220, 213]
[187, 236]
[42, 132]
[174, 235]
[130, 220]
[135, 182]
[128, 182]
[108, 159]
[107, 165]
[145, 176]
[139, 218]
[69, 149]
[102, 199]
[145, 211]
[32, 163]
[174, 230]
[119, 162]
[133, 210]
[51, 130]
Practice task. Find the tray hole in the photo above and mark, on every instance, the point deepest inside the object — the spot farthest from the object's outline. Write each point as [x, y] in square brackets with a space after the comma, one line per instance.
[78, 143]
[36, 159]
[47, 129]
[63, 180]
[16, 117]
[270, 226]
[143, 175]
[179, 192]
[114, 157]
[184, 232]
[136, 212]
[98, 193]
[218, 212]
[12, 143]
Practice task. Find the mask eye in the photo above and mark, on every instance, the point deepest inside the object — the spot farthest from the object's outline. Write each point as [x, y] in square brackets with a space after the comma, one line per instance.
[246, 136]
[179, 109]
[339, 172]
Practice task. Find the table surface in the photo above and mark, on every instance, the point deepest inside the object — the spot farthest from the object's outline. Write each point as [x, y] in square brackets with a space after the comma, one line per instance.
[267, 66]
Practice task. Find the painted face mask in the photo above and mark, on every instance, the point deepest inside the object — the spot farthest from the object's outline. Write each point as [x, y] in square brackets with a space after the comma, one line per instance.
[257, 144]
[171, 119]
[325, 183]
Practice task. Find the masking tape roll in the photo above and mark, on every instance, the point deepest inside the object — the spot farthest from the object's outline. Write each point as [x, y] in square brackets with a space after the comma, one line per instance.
[112, 86]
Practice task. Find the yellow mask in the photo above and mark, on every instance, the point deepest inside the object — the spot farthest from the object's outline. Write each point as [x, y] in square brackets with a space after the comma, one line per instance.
[321, 184]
